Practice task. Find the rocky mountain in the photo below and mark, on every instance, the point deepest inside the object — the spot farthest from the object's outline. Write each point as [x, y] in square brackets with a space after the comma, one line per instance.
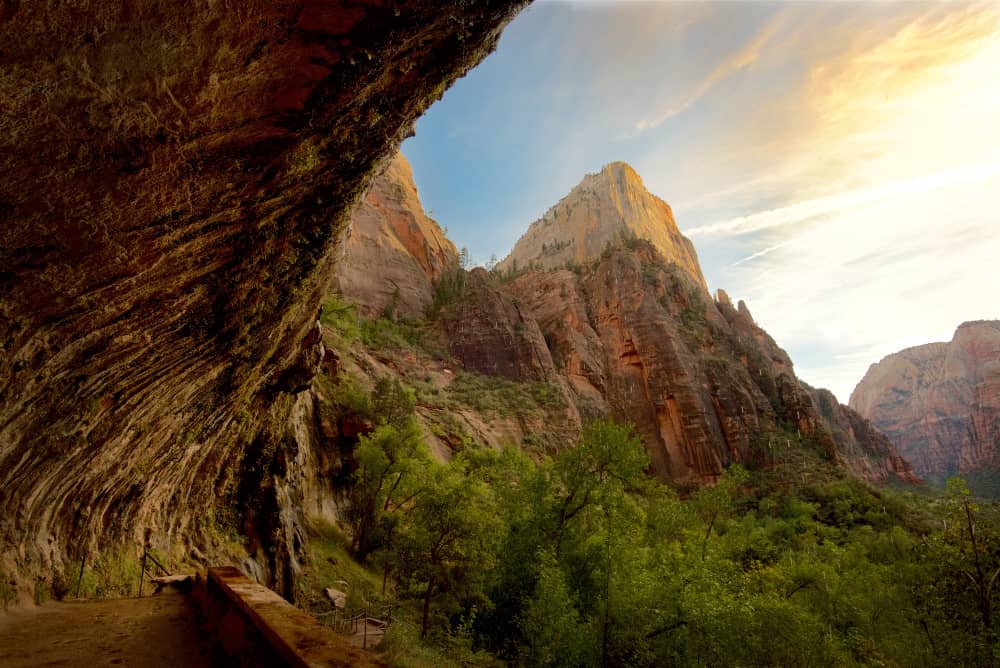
[390, 232]
[603, 208]
[940, 403]
[629, 332]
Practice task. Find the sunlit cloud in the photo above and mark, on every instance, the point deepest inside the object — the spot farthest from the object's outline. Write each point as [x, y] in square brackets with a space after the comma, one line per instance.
[805, 211]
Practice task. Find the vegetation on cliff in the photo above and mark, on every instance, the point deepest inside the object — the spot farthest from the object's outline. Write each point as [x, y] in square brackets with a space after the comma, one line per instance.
[580, 558]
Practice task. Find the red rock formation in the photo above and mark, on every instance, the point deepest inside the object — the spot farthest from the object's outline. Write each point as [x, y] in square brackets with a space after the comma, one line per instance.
[175, 179]
[634, 334]
[491, 333]
[394, 252]
[604, 208]
[633, 337]
[940, 403]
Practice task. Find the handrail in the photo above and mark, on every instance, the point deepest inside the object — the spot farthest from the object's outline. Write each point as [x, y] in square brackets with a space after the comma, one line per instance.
[348, 625]
[143, 572]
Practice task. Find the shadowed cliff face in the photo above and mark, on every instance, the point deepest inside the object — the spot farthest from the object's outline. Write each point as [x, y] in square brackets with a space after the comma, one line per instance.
[175, 178]
[940, 402]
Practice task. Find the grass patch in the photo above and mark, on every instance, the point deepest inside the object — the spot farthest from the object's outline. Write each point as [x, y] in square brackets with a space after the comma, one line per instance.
[494, 394]
[330, 565]
[379, 334]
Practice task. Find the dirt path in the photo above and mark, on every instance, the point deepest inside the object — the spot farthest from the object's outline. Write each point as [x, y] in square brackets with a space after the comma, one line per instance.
[161, 630]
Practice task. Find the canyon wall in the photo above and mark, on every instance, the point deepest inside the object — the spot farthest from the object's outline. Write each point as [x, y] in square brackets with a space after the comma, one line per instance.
[620, 325]
[175, 180]
[394, 253]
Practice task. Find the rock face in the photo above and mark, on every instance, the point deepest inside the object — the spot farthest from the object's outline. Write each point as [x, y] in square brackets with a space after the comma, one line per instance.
[631, 333]
[637, 339]
[394, 252]
[603, 208]
[940, 403]
[491, 334]
[175, 180]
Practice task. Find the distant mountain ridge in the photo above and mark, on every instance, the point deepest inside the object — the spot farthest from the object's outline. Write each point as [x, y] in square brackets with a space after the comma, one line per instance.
[940, 402]
[602, 209]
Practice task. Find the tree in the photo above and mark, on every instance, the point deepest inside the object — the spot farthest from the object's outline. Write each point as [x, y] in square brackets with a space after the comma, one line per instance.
[391, 403]
[609, 461]
[392, 465]
[554, 633]
[711, 503]
[447, 543]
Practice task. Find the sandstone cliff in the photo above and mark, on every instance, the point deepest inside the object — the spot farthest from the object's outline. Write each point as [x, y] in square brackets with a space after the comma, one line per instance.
[630, 333]
[394, 252]
[603, 208]
[175, 180]
[940, 403]
[635, 338]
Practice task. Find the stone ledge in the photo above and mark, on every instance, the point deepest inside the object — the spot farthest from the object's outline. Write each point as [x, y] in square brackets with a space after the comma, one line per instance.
[257, 627]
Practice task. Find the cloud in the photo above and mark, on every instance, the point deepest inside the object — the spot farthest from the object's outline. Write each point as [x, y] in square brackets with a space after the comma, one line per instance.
[811, 209]
[741, 59]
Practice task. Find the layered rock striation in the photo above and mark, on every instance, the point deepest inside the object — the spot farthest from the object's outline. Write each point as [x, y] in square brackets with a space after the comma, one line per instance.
[940, 403]
[394, 252]
[175, 181]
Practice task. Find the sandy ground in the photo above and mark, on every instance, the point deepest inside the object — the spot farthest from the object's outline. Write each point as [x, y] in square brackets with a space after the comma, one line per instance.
[161, 630]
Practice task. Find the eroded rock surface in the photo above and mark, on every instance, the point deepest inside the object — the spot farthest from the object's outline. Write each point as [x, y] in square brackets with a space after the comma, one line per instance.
[940, 403]
[628, 330]
[635, 338]
[395, 253]
[175, 179]
[604, 208]
[490, 333]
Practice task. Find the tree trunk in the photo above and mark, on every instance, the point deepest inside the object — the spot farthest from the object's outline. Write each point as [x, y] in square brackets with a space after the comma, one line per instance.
[427, 608]
[708, 532]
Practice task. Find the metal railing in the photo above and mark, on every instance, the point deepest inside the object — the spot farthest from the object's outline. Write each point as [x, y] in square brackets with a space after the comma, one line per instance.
[148, 570]
[353, 624]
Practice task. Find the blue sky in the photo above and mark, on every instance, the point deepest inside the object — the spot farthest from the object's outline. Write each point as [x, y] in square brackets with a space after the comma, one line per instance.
[834, 164]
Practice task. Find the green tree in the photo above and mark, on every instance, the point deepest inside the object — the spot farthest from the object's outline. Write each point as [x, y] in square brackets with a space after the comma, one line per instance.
[448, 542]
[608, 462]
[713, 503]
[554, 632]
[392, 467]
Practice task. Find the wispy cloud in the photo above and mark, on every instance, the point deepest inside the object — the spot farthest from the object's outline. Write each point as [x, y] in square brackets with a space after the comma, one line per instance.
[823, 206]
[741, 59]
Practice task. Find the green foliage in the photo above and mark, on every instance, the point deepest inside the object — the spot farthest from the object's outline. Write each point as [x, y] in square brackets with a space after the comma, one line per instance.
[392, 466]
[341, 317]
[331, 565]
[494, 394]
[449, 289]
[387, 332]
[582, 560]
[448, 545]
[8, 594]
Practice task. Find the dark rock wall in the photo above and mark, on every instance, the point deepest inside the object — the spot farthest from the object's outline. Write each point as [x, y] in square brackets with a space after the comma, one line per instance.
[173, 179]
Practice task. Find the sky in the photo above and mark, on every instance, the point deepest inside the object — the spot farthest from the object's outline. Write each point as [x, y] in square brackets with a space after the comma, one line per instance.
[837, 165]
